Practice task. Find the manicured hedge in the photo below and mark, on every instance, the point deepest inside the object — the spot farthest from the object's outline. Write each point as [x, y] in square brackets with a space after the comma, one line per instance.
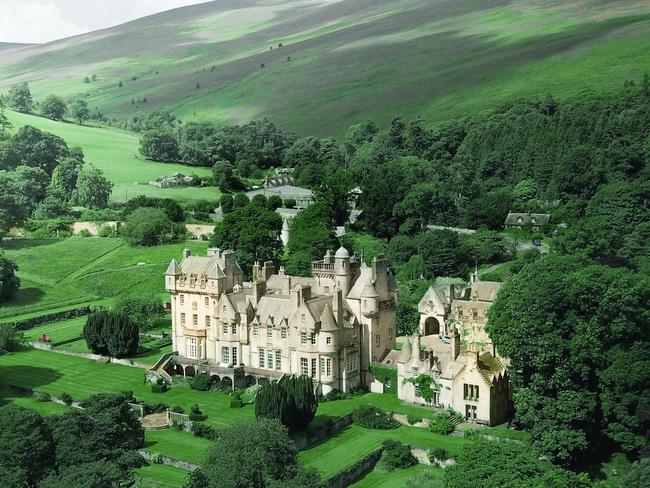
[52, 317]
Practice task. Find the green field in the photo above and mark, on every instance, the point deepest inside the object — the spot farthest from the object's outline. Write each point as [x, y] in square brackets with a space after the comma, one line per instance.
[349, 61]
[58, 332]
[393, 479]
[61, 273]
[160, 476]
[357, 442]
[116, 153]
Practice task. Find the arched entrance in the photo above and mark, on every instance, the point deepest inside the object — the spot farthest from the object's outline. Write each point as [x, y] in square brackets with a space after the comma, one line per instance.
[431, 326]
[178, 370]
[250, 380]
[214, 379]
[226, 382]
[190, 371]
[262, 381]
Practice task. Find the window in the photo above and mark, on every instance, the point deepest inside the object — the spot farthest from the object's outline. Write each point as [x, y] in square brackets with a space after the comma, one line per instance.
[191, 347]
[377, 340]
[225, 355]
[322, 366]
[182, 299]
[224, 308]
[303, 338]
[234, 328]
[470, 392]
[234, 356]
[304, 366]
[195, 320]
[327, 290]
[303, 318]
[312, 338]
[207, 321]
[225, 328]
[418, 393]
[390, 333]
[352, 361]
[278, 360]
[207, 301]
[262, 355]
[269, 359]
[328, 340]
[269, 331]
[328, 369]
[183, 319]
[284, 332]
[256, 330]
[313, 367]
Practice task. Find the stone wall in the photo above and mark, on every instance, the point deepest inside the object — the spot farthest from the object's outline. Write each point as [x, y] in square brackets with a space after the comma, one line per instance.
[93, 227]
[169, 461]
[306, 439]
[198, 230]
[355, 472]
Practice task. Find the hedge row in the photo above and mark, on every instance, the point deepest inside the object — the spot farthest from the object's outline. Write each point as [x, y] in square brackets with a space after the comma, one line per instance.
[52, 317]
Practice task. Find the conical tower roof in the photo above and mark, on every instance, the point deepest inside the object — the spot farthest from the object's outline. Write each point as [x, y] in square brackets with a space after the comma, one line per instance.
[173, 269]
[405, 355]
[327, 320]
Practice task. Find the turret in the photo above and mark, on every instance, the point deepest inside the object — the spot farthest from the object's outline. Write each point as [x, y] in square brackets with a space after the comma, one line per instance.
[342, 269]
[369, 299]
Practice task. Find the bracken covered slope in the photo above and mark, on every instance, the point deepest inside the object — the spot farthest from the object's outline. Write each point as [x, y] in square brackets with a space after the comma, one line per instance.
[341, 61]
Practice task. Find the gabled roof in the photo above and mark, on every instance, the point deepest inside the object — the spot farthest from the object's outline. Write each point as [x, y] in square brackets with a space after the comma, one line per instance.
[435, 295]
[173, 269]
[202, 265]
[490, 367]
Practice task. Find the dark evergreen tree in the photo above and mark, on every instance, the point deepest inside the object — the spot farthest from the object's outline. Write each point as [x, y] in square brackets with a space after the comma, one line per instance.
[292, 401]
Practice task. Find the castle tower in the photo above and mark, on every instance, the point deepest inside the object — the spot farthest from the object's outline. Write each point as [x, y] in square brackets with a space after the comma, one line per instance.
[342, 270]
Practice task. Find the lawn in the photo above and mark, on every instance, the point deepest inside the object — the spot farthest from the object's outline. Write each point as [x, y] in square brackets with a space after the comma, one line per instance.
[160, 476]
[180, 445]
[357, 442]
[117, 154]
[386, 402]
[58, 273]
[394, 479]
[59, 373]
[58, 332]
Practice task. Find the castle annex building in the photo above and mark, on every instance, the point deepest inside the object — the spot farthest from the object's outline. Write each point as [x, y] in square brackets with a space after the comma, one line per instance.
[453, 348]
[330, 326]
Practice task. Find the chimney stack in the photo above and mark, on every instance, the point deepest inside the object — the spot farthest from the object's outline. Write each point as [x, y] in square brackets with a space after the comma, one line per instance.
[186, 253]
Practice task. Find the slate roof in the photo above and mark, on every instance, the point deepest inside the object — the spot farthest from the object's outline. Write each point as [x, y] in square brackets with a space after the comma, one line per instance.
[518, 219]
[202, 266]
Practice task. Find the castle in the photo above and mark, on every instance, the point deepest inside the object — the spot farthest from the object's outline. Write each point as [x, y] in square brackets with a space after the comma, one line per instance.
[330, 326]
[453, 348]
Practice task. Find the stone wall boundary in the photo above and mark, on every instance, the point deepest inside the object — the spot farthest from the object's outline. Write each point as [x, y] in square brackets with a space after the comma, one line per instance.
[355, 472]
[156, 458]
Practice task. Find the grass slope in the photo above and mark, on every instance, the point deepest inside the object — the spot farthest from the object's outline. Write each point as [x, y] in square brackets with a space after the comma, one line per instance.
[116, 153]
[348, 59]
[394, 479]
[160, 476]
[61, 273]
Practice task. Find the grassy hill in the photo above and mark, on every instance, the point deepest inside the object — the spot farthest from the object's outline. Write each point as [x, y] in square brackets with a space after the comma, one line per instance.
[349, 59]
[116, 153]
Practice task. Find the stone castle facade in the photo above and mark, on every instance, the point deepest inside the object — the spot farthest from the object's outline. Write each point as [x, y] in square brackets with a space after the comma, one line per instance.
[330, 326]
[453, 348]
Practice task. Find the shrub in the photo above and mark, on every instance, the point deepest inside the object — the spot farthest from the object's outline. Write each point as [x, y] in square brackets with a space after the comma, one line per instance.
[150, 408]
[413, 419]
[10, 338]
[374, 418]
[236, 403]
[196, 414]
[396, 456]
[290, 203]
[438, 454]
[66, 398]
[177, 409]
[201, 382]
[84, 233]
[42, 396]
[471, 434]
[106, 231]
[200, 429]
[159, 388]
[441, 424]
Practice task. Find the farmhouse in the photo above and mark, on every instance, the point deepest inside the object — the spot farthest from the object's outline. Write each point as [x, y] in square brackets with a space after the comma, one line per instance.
[453, 348]
[331, 326]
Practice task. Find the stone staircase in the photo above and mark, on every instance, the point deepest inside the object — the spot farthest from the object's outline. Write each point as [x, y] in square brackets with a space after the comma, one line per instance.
[158, 369]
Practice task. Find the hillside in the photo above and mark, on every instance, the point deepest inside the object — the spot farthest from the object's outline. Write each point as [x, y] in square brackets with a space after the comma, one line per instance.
[116, 153]
[349, 59]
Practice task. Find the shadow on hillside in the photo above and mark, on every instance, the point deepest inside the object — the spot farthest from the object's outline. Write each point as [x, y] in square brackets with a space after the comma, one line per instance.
[21, 380]
[321, 422]
[18, 243]
[27, 296]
